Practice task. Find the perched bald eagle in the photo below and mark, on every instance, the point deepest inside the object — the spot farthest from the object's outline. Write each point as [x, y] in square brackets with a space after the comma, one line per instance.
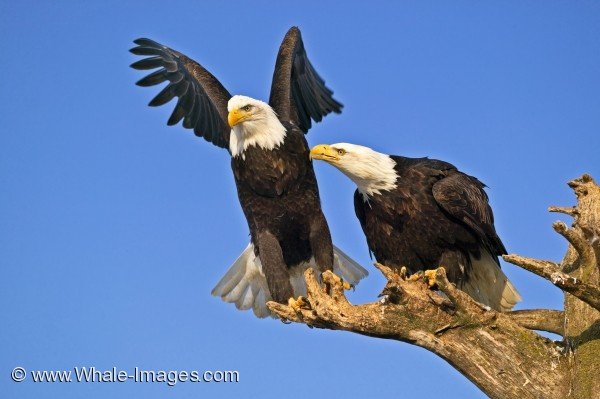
[422, 214]
[273, 173]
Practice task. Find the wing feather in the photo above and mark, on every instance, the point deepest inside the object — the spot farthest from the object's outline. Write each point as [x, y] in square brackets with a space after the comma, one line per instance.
[298, 93]
[463, 197]
[202, 100]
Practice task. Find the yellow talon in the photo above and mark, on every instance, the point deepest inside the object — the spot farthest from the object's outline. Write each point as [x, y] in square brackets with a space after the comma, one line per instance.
[298, 304]
[430, 277]
[403, 272]
[415, 277]
[332, 278]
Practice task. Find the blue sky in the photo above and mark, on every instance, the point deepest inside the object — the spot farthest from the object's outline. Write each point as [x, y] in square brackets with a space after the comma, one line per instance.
[115, 227]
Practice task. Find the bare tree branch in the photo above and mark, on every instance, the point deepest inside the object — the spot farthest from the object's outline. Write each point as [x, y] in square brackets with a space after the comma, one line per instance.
[571, 211]
[588, 293]
[578, 241]
[500, 356]
[540, 319]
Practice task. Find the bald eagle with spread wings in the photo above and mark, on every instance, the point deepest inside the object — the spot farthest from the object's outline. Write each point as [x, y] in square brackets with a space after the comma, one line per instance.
[275, 180]
[422, 213]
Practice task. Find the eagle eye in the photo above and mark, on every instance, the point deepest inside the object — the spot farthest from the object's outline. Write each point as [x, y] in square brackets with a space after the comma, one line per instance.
[341, 152]
[246, 108]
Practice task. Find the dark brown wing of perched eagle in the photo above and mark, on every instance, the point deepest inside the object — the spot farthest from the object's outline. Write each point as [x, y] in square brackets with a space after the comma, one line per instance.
[298, 93]
[437, 216]
[464, 199]
[202, 99]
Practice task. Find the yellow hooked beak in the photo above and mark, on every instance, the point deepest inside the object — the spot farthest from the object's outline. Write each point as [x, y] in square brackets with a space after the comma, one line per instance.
[237, 116]
[324, 152]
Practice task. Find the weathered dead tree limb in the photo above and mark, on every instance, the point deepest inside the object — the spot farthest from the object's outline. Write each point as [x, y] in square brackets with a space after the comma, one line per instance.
[571, 210]
[540, 319]
[501, 357]
[587, 258]
[499, 352]
[551, 271]
[582, 322]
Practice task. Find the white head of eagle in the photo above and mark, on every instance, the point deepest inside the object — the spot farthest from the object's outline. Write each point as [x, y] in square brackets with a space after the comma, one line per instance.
[253, 123]
[372, 171]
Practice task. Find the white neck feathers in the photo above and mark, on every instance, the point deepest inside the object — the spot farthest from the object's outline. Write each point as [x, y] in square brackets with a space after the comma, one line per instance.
[267, 132]
[372, 171]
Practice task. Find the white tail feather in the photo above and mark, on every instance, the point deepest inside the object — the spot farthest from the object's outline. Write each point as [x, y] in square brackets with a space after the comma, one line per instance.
[245, 284]
[347, 268]
[489, 285]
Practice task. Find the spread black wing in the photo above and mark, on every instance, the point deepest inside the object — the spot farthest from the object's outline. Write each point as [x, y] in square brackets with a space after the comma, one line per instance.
[298, 93]
[463, 197]
[202, 99]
